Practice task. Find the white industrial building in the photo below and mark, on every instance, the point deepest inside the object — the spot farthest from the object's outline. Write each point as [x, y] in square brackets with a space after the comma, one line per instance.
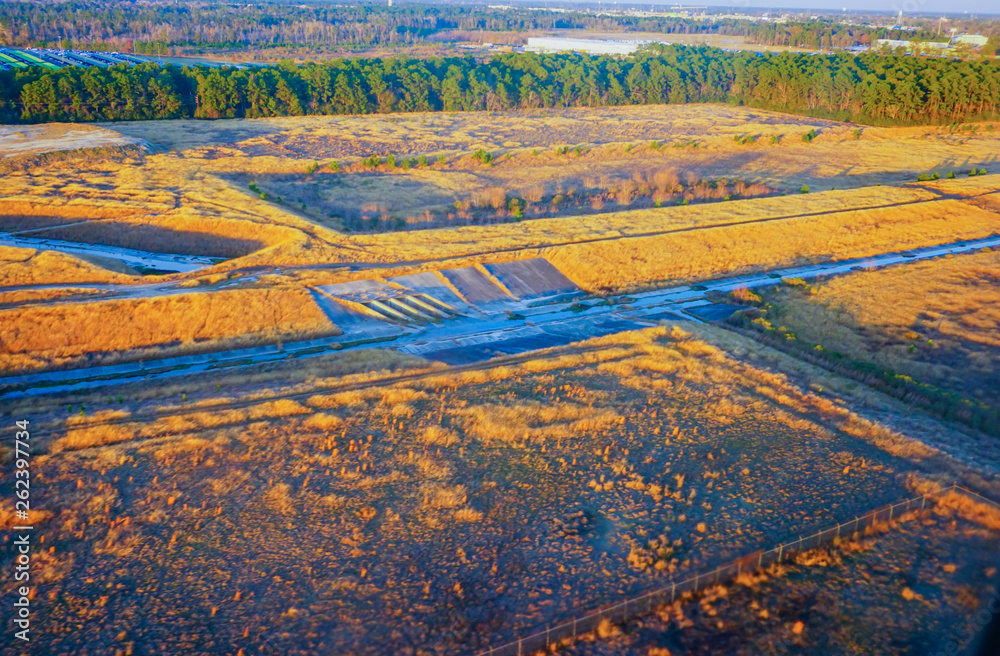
[975, 40]
[589, 46]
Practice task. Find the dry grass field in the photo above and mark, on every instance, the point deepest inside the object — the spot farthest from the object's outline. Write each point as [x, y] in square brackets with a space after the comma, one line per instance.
[911, 590]
[606, 194]
[452, 509]
[27, 266]
[60, 334]
[371, 502]
[936, 322]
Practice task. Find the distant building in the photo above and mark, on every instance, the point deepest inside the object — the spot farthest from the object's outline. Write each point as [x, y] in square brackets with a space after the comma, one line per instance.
[589, 46]
[975, 40]
[933, 47]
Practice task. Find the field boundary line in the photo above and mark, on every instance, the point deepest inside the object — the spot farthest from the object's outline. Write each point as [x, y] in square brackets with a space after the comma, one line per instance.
[638, 605]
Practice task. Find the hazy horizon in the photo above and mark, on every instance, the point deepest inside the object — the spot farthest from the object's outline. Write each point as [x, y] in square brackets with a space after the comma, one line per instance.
[908, 7]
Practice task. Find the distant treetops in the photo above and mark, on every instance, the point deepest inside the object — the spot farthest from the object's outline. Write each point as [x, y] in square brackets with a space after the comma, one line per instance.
[867, 88]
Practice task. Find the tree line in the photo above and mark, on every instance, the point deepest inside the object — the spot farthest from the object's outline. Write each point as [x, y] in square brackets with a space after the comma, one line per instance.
[866, 88]
[158, 27]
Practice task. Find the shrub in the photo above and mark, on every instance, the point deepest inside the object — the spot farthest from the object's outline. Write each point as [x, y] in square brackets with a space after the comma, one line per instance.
[390, 161]
[923, 177]
[372, 161]
[422, 161]
[483, 156]
[951, 175]
[809, 136]
[655, 145]
[857, 133]
[334, 165]
[516, 208]
[312, 168]
[804, 189]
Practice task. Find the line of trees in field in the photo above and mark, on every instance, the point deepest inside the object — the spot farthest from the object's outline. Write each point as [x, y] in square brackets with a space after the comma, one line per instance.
[157, 27]
[868, 88]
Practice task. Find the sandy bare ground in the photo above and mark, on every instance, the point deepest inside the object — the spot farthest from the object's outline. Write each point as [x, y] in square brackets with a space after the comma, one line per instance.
[16, 140]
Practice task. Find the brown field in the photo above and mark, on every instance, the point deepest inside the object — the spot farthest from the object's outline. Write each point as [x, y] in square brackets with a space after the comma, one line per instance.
[176, 323]
[583, 182]
[455, 509]
[369, 501]
[26, 266]
[910, 590]
[935, 321]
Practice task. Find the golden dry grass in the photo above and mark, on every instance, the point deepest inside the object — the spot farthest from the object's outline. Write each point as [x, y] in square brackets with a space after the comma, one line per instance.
[194, 198]
[46, 335]
[937, 321]
[26, 266]
[546, 484]
[735, 249]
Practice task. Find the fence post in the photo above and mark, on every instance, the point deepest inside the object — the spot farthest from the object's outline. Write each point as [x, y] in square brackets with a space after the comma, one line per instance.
[891, 508]
[547, 629]
[574, 627]
[696, 577]
[781, 548]
[838, 530]
[760, 560]
[520, 651]
[673, 589]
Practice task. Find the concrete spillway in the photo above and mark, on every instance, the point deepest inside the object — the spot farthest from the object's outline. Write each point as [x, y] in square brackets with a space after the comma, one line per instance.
[434, 296]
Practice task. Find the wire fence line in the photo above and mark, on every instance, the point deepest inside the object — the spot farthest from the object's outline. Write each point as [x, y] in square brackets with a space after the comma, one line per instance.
[643, 604]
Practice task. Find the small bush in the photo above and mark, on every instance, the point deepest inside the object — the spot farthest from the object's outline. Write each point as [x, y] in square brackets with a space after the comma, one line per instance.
[804, 189]
[516, 208]
[809, 136]
[334, 165]
[484, 157]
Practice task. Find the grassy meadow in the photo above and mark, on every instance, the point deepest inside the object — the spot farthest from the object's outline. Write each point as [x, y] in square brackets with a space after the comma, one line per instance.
[455, 507]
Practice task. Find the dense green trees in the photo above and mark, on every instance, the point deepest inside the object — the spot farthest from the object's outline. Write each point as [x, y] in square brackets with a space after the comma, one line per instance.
[889, 90]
